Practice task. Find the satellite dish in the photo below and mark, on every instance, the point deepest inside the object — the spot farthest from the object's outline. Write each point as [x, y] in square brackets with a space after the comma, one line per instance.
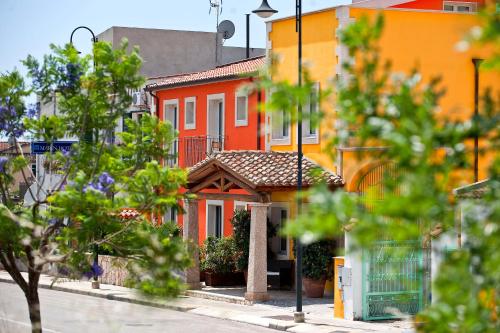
[226, 28]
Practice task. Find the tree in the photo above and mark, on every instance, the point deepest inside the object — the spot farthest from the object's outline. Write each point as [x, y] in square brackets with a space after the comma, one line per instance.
[96, 179]
[427, 151]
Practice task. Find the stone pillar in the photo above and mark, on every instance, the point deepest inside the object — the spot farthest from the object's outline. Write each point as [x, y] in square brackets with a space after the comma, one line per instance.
[257, 261]
[190, 233]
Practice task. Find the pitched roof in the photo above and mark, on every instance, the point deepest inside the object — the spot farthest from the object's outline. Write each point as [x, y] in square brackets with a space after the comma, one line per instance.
[472, 191]
[265, 169]
[225, 72]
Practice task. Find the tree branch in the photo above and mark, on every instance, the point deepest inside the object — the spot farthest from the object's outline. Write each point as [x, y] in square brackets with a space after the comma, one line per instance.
[14, 270]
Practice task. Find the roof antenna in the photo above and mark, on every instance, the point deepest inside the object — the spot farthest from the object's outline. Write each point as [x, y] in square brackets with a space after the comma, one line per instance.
[217, 5]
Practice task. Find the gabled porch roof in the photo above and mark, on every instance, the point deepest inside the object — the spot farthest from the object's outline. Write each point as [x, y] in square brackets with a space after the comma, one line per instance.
[257, 172]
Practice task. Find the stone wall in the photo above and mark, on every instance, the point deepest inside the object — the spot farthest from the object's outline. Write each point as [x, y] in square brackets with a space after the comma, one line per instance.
[114, 270]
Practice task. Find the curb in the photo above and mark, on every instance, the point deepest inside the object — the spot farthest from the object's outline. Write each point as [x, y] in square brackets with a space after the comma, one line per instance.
[211, 296]
[110, 297]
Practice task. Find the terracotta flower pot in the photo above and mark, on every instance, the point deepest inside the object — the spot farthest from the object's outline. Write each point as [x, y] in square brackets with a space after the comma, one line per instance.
[223, 279]
[314, 288]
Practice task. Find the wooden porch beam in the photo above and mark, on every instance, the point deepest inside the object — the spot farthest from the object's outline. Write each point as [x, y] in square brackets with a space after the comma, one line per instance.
[206, 182]
[227, 187]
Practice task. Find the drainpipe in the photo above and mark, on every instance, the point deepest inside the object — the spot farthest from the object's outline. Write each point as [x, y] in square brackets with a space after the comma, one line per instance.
[157, 102]
[477, 63]
[248, 35]
[259, 120]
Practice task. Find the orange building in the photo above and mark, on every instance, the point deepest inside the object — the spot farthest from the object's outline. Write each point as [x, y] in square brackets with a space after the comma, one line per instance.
[458, 6]
[211, 113]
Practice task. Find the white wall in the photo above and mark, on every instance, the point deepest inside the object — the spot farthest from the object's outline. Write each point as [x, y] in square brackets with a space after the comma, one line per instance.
[353, 297]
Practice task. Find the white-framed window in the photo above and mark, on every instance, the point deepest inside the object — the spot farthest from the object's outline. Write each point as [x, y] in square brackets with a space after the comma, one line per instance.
[240, 205]
[459, 6]
[190, 113]
[170, 216]
[241, 109]
[310, 125]
[215, 218]
[278, 215]
[280, 128]
[171, 113]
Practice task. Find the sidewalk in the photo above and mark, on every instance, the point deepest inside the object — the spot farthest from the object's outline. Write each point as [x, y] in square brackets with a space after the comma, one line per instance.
[266, 315]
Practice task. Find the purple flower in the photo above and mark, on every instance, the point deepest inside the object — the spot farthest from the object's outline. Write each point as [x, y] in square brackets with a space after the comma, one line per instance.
[103, 184]
[95, 270]
[69, 78]
[106, 180]
[3, 162]
[11, 119]
[33, 110]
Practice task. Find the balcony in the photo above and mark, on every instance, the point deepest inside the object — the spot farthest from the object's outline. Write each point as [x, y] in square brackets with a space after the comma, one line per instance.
[187, 151]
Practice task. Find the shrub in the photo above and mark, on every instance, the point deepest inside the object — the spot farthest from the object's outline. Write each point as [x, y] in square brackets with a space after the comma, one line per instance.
[241, 232]
[317, 260]
[218, 255]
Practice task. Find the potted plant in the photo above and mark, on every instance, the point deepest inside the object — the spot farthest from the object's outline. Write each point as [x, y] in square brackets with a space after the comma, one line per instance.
[218, 261]
[241, 233]
[317, 267]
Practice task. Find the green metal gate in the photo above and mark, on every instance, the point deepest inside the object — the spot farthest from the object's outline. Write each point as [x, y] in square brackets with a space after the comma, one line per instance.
[392, 280]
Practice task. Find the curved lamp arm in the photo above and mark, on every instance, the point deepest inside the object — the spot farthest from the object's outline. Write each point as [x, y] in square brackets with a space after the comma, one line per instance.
[94, 38]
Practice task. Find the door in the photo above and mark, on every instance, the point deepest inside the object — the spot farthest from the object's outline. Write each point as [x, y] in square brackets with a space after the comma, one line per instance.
[171, 115]
[279, 244]
[215, 125]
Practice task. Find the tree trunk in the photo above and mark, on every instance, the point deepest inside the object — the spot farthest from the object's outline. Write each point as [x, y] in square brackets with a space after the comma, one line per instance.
[34, 309]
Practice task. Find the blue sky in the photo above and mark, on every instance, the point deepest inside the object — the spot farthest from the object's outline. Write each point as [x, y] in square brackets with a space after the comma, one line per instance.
[29, 26]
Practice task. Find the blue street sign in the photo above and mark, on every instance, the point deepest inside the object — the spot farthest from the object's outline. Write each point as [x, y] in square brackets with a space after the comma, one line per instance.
[42, 147]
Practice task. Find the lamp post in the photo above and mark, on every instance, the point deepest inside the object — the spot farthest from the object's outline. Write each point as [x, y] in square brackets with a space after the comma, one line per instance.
[266, 11]
[89, 137]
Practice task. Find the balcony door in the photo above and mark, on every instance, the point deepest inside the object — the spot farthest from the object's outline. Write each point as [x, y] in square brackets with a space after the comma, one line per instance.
[171, 114]
[215, 123]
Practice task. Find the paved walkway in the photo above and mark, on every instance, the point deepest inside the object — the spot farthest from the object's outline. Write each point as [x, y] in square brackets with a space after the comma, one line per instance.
[270, 315]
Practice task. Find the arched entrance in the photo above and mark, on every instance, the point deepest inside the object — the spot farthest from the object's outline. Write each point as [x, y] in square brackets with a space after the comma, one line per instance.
[392, 272]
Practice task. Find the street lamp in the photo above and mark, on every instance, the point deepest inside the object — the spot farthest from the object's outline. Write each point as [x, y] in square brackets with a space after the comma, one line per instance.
[266, 11]
[88, 138]
[94, 38]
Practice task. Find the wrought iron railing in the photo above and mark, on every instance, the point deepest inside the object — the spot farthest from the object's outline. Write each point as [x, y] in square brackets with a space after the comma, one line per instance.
[197, 148]
[186, 152]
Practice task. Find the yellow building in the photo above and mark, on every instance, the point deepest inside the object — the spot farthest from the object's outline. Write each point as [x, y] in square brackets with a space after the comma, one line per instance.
[422, 39]
[425, 40]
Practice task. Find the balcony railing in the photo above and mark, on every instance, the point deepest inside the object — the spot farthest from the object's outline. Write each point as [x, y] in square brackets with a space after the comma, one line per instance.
[193, 149]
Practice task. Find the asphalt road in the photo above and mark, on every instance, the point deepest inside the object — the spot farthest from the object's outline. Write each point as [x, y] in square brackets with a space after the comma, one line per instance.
[72, 313]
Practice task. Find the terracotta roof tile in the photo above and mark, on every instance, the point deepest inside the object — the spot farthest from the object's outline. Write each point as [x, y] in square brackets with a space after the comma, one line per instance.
[270, 169]
[129, 213]
[219, 73]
